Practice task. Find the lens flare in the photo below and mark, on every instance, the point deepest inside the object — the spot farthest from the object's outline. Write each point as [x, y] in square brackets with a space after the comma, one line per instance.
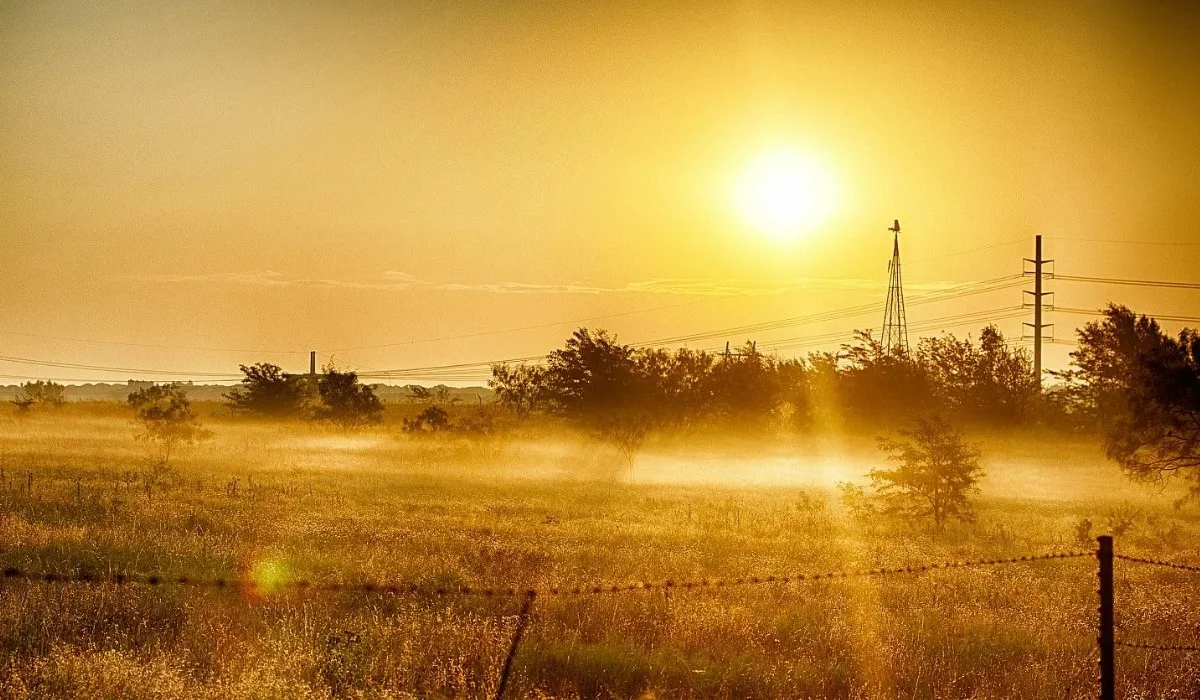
[269, 576]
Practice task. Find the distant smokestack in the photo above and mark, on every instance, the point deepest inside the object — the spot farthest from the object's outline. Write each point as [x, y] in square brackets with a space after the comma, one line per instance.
[312, 361]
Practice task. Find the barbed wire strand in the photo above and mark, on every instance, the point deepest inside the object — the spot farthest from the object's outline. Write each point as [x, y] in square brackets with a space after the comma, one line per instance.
[1157, 562]
[1154, 647]
[513, 591]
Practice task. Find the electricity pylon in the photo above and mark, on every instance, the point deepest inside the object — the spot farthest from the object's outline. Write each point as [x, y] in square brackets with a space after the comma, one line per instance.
[895, 323]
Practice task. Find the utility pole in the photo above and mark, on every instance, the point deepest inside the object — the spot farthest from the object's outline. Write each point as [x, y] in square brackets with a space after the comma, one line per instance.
[728, 353]
[1039, 264]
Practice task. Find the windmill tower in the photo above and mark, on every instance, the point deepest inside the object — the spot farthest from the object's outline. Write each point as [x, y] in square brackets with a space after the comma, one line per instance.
[895, 324]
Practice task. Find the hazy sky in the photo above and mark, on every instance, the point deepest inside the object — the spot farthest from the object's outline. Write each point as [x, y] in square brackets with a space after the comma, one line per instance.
[328, 175]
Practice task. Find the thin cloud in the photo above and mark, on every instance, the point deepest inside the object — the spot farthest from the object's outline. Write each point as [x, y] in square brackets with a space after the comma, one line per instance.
[402, 281]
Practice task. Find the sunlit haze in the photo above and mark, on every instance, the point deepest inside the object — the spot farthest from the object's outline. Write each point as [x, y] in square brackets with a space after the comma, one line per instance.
[402, 186]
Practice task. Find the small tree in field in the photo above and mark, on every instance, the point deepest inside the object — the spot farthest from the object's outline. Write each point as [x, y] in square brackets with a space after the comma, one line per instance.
[935, 474]
[267, 390]
[39, 393]
[346, 402]
[626, 432]
[166, 419]
[430, 421]
[519, 387]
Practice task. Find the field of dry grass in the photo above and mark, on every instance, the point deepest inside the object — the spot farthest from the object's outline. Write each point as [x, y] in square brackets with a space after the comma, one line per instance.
[269, 502]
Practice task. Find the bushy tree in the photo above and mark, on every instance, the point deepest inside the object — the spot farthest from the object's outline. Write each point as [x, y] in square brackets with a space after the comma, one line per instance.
[935, 473]
[877, 385]
[40, 393]
[519, 387]
[346, 402]
[267, 390]
[431, 420]
[1145, 387]
[988, 382]
[166, 418]
[600, 384]
[744, 387]
[592, 376]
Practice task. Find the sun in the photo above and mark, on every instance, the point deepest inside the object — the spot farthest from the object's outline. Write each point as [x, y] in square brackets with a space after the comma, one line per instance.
[786, 194]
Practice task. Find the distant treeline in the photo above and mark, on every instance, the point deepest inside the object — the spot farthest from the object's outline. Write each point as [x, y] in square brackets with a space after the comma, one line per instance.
[595, 379]
[119, 391]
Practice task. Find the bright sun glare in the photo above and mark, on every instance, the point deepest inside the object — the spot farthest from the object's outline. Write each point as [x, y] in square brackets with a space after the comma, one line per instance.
[786, 194]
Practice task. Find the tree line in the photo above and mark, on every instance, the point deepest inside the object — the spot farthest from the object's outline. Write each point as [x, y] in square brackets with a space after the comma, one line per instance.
[596, 380]
[1131, 382]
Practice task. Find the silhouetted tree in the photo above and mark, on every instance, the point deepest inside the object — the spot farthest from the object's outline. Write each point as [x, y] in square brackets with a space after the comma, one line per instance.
[166, 418]
[675, 387]
[269, 391]
[876, 385]
[593, 375]
[989, 381]
[935, 474]
[521, 388]
[431, 420]
[1145, 387]
[600, 384]
[744, 387]
[39, 393]
[346, 402]
[420, 394]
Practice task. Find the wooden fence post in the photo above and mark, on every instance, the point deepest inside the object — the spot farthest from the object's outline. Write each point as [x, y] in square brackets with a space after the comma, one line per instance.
[522, 623]
[1108, 676]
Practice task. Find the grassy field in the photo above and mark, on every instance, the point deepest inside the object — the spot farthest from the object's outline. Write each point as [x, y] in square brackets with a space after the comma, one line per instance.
[268, 502]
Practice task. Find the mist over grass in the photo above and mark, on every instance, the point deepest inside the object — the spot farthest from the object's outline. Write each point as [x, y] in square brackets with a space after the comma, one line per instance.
[541, 505]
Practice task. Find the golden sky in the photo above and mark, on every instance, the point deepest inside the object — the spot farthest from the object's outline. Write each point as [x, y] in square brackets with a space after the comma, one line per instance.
[293, 175]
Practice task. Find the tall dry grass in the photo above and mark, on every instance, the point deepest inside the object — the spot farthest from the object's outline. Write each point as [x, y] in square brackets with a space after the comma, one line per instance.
[293, 500]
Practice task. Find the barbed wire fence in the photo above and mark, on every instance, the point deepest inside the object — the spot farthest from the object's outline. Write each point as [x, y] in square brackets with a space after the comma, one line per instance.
[1104, 554]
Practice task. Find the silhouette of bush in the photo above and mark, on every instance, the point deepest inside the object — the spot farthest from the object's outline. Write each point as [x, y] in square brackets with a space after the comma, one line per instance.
[267, 390]
[345, 401]
[39, 393]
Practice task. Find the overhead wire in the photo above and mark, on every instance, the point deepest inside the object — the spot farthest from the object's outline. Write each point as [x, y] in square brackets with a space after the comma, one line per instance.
[105, 368]
[1160, 317]
[1165, 284]
[119, 343]
[957, 291]
[632, 312]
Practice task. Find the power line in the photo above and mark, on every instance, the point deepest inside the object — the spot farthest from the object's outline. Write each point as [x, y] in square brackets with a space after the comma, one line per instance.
[149, 345]
[110, 380]
[462, 372]
[533, 327]
[965, 252]
[962, 290]
[103, 368]
[931, 324]
[623, 313]
[968, 289]
[1160, 317]
[1123, 241]
[1129, 282]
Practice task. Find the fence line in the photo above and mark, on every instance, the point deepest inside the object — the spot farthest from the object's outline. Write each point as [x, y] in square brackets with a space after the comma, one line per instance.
[1156, 647]
[1156, 562]
[513, 591]
[1104, 555]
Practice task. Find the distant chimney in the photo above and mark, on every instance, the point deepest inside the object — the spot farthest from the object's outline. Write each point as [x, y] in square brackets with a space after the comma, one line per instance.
[312, 361]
